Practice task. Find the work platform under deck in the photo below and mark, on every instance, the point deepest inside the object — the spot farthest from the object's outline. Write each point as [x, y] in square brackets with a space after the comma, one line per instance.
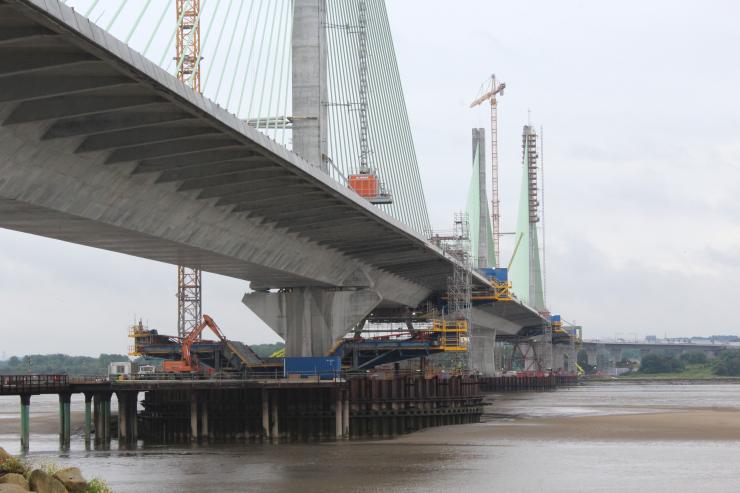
[301, 409]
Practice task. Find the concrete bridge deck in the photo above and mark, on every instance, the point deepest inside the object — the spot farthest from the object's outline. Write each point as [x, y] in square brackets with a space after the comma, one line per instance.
[101, 147]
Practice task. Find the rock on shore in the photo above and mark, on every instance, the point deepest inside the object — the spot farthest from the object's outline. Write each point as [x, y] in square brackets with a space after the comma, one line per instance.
[67, 480]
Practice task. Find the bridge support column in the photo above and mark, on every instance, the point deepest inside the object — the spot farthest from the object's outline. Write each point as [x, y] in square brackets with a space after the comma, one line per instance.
[482, 345]
[345, 415]
[564, 357]
[274, 409]
[194, 416]
[338, 415]
[127, 425]
[312, 319]
[101, 417]
[265, 415]
[88, 418]
[64, 420]
[25, 421]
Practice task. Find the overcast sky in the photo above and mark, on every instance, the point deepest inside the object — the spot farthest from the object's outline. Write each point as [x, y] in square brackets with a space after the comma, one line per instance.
[641, 117]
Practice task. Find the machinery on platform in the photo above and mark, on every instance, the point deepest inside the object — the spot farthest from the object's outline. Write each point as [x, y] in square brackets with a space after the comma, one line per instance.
[187, 364]
[193, 354]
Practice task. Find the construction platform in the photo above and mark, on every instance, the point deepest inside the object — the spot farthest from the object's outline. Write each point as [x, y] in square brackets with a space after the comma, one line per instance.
[277, 410]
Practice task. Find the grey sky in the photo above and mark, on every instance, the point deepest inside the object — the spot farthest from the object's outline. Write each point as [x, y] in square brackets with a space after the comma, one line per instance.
[641, 116]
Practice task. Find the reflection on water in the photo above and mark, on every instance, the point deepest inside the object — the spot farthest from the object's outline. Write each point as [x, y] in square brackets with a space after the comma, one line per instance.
[437, 460]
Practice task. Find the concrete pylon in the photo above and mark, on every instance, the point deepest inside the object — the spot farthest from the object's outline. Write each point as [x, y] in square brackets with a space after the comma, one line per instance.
[310, 90]
[311, 319]
[482, 345]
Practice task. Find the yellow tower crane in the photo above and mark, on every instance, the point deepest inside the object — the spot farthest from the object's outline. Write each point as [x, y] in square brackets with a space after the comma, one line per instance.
[187, 59]
[490, 89]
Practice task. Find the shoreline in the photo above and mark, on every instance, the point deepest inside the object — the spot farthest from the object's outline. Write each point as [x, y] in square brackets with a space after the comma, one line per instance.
[705, 425]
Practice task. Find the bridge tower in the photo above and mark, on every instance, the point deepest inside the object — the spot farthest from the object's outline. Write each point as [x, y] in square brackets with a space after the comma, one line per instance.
[187, 58]
[310, 88]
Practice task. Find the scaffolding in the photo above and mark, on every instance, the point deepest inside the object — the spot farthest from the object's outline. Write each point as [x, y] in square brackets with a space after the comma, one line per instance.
[187, 57]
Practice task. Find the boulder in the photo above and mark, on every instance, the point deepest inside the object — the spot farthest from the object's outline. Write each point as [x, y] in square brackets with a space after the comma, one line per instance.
[41, 482]
[4, 455]
[12, 488]
[13, 478]
[72, 479]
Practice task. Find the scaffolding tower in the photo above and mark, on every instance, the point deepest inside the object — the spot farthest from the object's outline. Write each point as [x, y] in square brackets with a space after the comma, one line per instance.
[459, 284]
[187, 58]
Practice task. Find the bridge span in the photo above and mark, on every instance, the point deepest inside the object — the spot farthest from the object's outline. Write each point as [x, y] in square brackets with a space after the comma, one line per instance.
[101, 147]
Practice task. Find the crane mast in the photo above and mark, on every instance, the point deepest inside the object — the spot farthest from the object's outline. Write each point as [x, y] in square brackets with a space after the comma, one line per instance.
[187, 59]
[495, 88]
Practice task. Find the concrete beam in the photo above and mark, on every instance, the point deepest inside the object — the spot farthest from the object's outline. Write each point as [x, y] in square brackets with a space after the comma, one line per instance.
[235, 178]
[29, 87]
[168, 149]
[194, 159]
[72, 106]
[148, 114]
[246, 186]
[139, 136]
[273, 192]
[10, 35]
[256, 163]
[18, 61]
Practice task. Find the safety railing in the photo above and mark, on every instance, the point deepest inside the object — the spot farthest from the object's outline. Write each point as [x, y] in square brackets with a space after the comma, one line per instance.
[451, 334]
[30, 384]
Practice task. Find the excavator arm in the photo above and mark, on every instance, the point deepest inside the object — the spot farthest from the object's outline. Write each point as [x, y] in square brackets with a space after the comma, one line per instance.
[193, 336]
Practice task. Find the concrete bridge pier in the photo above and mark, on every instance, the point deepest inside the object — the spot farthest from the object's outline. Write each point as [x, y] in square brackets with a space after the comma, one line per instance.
[65, 424]
[482, 346]
[312, 319]
[564, 357]
[127, 421]
[88, 418]
[199, 416]
[101, 418]
[25, 421]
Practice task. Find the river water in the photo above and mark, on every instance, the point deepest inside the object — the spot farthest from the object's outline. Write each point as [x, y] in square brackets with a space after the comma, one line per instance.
[477, 457]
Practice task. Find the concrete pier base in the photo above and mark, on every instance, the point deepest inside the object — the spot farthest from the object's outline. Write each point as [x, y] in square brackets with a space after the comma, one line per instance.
[127, 419]
[25, 421]
[101, 418]
[482, 344]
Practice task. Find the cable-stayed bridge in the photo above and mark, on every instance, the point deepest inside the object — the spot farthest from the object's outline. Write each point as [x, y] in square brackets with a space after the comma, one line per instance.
[101, 145]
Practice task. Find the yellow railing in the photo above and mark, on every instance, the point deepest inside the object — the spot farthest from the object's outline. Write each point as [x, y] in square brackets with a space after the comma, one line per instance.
[453, 334]
[500, 291]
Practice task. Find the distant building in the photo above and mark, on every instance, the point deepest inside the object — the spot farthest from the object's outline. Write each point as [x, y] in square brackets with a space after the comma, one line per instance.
[651, 339]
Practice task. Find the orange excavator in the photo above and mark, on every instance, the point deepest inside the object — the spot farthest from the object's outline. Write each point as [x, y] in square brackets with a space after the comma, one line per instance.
[187, 364]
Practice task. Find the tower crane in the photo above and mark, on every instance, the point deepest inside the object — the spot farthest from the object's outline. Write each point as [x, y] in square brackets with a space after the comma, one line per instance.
[187, 60]
[490, 89]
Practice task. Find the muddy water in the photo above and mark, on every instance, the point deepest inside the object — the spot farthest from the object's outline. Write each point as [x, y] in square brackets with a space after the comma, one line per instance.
[496, 455]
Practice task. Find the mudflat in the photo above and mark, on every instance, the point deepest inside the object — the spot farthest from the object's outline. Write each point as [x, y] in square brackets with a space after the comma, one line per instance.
[683, 425]
[44, 423]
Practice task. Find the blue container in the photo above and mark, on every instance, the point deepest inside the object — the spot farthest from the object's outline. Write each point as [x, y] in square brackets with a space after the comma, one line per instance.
[554, 318]
[500, 274]
[326, 367]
